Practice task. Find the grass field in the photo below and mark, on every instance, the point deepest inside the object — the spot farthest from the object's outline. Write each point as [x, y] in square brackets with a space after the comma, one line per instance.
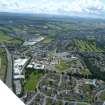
[88, 46]
[3, 62]
[3, 37]
[7, 39]
[62, 66]
[32, 80]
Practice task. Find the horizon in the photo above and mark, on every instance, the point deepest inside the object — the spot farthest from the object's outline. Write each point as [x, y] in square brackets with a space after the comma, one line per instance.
[52, 16]
[78, 8]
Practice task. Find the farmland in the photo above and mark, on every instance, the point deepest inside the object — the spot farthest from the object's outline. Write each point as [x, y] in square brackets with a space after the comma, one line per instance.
[87, 46]
[4, 38]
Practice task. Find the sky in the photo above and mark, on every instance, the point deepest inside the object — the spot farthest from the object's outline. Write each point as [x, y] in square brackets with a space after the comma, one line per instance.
[95, 8]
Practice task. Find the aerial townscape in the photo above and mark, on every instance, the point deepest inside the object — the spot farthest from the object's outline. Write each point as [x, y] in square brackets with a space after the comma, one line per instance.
[47, 60]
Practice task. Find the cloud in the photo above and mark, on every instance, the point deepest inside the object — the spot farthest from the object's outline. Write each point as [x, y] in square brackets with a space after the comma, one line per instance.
[92, 6]
[67, 7]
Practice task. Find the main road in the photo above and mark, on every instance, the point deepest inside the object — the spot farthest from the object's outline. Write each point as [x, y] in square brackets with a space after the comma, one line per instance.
[8, 80]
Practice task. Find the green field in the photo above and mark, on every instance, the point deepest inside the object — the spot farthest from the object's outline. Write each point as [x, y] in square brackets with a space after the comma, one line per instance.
[32, 81]
[88, 46]
[62, 66]
[3, 62]
[4, 38]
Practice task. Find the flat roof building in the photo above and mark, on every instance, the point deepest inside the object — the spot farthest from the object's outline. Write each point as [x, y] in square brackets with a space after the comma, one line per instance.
[16, 77]
[37, 66]
[18, 65]
[18, 87]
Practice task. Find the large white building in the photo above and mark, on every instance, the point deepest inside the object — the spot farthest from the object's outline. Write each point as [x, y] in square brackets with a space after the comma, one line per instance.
[19, 65]
[18, 87]
[37, 66]
[32, 42]
[16, 77]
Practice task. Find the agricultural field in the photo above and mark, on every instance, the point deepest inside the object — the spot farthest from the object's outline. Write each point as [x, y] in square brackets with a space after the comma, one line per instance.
[87, 46]
[3, 63]
[4, 38]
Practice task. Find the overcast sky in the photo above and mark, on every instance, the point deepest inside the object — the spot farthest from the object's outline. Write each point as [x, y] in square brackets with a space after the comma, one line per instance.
[58, 7]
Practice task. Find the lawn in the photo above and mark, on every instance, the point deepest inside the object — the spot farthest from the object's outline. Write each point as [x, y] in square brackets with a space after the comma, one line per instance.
[3, 62]
[62, 66]
[32, 80]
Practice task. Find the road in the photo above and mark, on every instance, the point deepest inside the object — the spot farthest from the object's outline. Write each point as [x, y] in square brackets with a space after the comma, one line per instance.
[51, 97]
[9, 68]
[32, 99]
[60, 81]
[55, 97]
